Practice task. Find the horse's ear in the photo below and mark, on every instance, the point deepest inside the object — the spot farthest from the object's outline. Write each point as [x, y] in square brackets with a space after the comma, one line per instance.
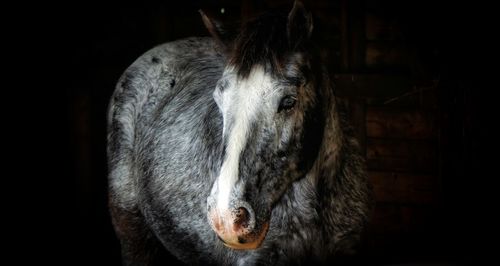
[215, 29]
[300, 25]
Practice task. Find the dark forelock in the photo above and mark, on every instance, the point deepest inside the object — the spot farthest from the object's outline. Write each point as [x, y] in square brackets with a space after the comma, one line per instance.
[261, 41]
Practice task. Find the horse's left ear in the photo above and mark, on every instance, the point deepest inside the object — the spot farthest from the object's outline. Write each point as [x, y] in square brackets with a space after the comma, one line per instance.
[215, 29]
[300, 25]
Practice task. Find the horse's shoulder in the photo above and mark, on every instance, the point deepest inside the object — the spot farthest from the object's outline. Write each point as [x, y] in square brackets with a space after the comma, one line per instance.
[141, 90]
[159, 69]
[176, 56]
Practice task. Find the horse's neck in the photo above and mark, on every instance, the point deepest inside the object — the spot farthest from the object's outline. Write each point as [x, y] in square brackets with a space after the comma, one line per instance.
[329, 176]
[344, 195]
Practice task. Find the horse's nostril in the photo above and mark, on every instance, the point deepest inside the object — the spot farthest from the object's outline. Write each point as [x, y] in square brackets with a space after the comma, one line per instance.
[242, 218]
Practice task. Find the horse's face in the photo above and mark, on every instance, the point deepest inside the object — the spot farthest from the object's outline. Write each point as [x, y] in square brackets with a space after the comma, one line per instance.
[270, 139]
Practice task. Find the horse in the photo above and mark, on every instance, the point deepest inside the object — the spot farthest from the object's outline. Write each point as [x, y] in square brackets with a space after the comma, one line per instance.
[230, 150]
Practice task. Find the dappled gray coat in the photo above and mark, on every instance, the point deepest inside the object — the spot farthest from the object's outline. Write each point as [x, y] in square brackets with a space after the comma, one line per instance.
[166, 147]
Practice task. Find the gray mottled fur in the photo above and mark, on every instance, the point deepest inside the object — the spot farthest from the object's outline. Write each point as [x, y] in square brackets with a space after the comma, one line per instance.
[165, 150]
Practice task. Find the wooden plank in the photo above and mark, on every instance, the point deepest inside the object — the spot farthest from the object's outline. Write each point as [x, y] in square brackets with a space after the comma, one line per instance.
[393, 225]
[321, 4]
[421, 97]
[403, 188]
[380, 27]
[371, 86]
[386, 219]
[386, 54]
[357, 51]
[419, 156]
[357, 115]
[352, 32]
[344, 36]
[394, 123]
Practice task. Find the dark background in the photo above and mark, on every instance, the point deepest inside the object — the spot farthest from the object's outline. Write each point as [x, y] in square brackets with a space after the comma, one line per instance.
[415, 76]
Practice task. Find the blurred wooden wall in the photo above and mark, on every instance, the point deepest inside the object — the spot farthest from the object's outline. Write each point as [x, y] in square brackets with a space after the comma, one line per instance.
[393, 100]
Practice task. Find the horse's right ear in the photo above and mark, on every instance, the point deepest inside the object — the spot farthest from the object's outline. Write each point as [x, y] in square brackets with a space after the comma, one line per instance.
[300, 25]
[216, 30]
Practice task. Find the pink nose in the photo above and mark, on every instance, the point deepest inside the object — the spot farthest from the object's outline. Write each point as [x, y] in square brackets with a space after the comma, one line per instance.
[236, 228]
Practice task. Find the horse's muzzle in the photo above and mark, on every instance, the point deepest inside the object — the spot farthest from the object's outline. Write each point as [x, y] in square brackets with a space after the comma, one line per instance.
[237, 227]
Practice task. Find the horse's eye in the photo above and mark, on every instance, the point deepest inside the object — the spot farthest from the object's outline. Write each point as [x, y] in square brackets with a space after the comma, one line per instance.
[287, 103]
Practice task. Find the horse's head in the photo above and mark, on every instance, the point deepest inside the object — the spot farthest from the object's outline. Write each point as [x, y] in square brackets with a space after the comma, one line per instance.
[272, 117]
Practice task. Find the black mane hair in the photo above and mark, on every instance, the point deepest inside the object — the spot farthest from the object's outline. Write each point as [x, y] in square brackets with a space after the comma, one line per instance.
[261, 41]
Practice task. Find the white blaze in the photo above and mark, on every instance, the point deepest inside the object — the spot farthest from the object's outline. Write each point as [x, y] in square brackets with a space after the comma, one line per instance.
[241, 103]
